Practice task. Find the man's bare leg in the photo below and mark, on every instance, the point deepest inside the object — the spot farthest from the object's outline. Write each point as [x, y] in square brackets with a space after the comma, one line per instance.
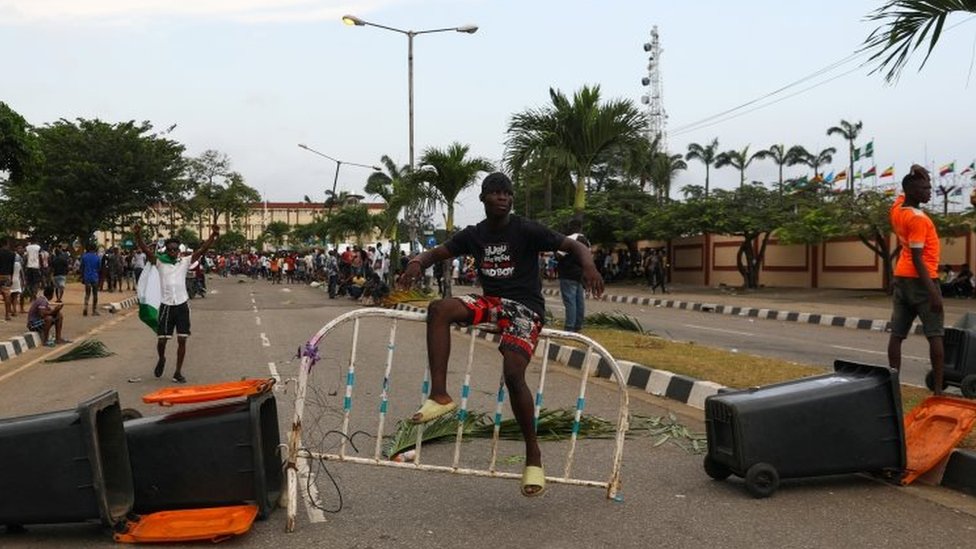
[937, 357]
[180, 354]
[441, 314]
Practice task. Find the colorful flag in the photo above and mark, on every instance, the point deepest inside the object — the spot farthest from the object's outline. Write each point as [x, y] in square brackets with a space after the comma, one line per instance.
[970, 168]
[829, 178]
[889, 172]
[841, 176]
[947, 169]
[872, 172]
[957, 192]
[869, 149]
[857, 153]
[149, 292]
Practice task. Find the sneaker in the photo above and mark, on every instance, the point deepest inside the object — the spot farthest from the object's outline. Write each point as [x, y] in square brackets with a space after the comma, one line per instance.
[178, 378]
[160, 365]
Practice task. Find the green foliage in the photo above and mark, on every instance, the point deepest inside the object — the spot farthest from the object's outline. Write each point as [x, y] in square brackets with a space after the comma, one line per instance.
[19, 152]
[575, 134]
[616, 320]
[451, 171]
[904, 27]
[94, 175]
[230, 241]
[217, 190]
[707, 155]
[612, 216]
[189, 237]
[275, 233]
[349, 221]
[88, 348]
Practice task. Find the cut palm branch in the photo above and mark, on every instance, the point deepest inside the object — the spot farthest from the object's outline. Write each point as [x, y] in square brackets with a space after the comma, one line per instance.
[615, 320]
[554, 425]
[88, 348]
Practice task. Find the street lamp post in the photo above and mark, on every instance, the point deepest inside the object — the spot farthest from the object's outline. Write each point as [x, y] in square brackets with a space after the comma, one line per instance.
[339, 164]
[468, 29]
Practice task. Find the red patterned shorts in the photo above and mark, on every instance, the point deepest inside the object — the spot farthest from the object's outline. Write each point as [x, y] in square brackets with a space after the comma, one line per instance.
[519, 324]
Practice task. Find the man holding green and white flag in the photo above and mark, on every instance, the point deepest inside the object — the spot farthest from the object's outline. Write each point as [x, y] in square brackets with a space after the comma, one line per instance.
[163, 299]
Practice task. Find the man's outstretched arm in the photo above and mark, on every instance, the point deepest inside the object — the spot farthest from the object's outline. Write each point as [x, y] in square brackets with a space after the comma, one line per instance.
[214, 233]
[150, 254]
[592, 280]
[417, 265]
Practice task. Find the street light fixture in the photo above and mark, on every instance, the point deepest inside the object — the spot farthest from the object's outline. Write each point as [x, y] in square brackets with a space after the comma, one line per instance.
[339, 164]
[352, 20]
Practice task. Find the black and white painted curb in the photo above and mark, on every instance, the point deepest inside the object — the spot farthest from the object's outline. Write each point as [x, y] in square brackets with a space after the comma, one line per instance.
[18, 344]
[960, 470]
[751, 312]
[116, 306]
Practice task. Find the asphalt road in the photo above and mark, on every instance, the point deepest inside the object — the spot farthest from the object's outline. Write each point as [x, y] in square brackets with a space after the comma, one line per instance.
[253, 329]
[792, 341]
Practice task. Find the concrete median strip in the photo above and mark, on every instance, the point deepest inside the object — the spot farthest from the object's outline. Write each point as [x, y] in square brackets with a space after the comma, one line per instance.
[960, 470]
[18, 344]
[752, 312]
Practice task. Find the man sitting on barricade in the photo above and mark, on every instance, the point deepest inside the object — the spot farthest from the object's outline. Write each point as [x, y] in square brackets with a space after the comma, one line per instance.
[506, 249]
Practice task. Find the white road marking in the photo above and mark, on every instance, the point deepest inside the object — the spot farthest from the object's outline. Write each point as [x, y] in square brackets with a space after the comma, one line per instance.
[252, 300]
[873, 352]
[736, 332]
[314, 513]
[257, 320]
[274, 373]
[264, 340]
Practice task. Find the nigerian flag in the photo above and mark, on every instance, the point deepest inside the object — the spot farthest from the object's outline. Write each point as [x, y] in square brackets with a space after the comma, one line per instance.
[149, 291]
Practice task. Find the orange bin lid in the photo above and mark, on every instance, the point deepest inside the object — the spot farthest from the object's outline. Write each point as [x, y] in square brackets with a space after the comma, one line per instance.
[932, 430]
[212, 524]
[206, 393]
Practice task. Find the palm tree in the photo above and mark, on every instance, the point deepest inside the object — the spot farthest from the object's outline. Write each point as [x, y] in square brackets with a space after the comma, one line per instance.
[449, 172]
[639, 160]
[905, 24]
[400, 192]
[663, 168]
[782, 156]
[739, 160]
[576, 133]
[814, 161]
[849, 132]
[704, 154]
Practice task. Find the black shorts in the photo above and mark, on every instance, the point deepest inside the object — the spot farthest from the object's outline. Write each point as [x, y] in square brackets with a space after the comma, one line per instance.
[174, 317]
[910, 300]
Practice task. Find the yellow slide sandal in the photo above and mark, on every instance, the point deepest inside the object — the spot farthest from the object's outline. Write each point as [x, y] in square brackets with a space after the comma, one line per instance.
[533, 481]
[431, 410]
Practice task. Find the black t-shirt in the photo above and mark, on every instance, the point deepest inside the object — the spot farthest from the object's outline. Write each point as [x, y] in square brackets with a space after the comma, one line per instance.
[6, 262]
[508, 259]
[567, 264]
[59, 264]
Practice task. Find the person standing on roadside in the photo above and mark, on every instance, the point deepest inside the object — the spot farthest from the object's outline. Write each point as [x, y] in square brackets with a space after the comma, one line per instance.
[32, 273]
[7, 259]
[91, 268]
[571, 280]
[59, 272]
[174, 309]
[916, 287]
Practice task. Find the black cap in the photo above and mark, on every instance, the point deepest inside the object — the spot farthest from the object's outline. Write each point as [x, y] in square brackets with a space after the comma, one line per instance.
[497, 181]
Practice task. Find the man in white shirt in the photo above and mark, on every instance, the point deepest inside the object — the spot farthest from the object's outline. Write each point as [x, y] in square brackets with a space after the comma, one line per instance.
[33, 273]
[174, 310]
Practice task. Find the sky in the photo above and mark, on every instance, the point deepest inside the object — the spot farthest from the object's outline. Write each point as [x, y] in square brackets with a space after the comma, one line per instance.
[254, 78]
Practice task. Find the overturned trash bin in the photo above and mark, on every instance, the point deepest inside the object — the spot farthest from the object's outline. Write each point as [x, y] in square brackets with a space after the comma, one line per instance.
[846, 422]
[67, 466]
[205, 457]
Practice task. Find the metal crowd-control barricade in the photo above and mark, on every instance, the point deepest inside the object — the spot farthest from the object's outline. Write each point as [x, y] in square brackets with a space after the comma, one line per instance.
[310, 356]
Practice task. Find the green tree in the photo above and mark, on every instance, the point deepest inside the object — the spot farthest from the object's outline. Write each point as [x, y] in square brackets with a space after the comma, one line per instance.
[18, 145]
[849, 132]
[813, 161]
[230, 241]
[276, 232]
[218, 190]
[782, 156]
[576, 132]
[751, 212]
[663, 168]
[706, 154]
[94, 176]
[402, 193]
[349, 221]
[450, 171]
[188, 237]
[904, 27]
[739, 160]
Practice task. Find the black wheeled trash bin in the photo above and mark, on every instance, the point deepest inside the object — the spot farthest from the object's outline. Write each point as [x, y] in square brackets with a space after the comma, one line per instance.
[846, 422]
[67, 466]
[960, 359]
[207, 457]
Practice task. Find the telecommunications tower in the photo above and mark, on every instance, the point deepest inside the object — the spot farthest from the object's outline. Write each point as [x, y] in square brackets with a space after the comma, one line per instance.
[657, 118]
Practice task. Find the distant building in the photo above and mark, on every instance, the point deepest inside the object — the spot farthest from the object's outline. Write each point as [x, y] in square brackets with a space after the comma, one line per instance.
[259, 216]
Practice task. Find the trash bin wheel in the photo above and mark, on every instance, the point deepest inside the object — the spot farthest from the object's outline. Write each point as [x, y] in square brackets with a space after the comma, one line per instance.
[762, 480]
[968, 386]
[716, 470]
[930, 381]
[130, 413]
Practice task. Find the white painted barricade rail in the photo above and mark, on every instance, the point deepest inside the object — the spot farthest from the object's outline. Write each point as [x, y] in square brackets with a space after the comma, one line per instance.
[309, 355]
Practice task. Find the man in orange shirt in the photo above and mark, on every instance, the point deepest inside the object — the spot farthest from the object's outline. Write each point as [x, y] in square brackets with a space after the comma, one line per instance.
[916, 290]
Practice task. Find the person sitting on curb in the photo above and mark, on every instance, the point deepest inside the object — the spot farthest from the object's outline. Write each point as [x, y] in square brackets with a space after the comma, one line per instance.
[506, 249]
[42, 315]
